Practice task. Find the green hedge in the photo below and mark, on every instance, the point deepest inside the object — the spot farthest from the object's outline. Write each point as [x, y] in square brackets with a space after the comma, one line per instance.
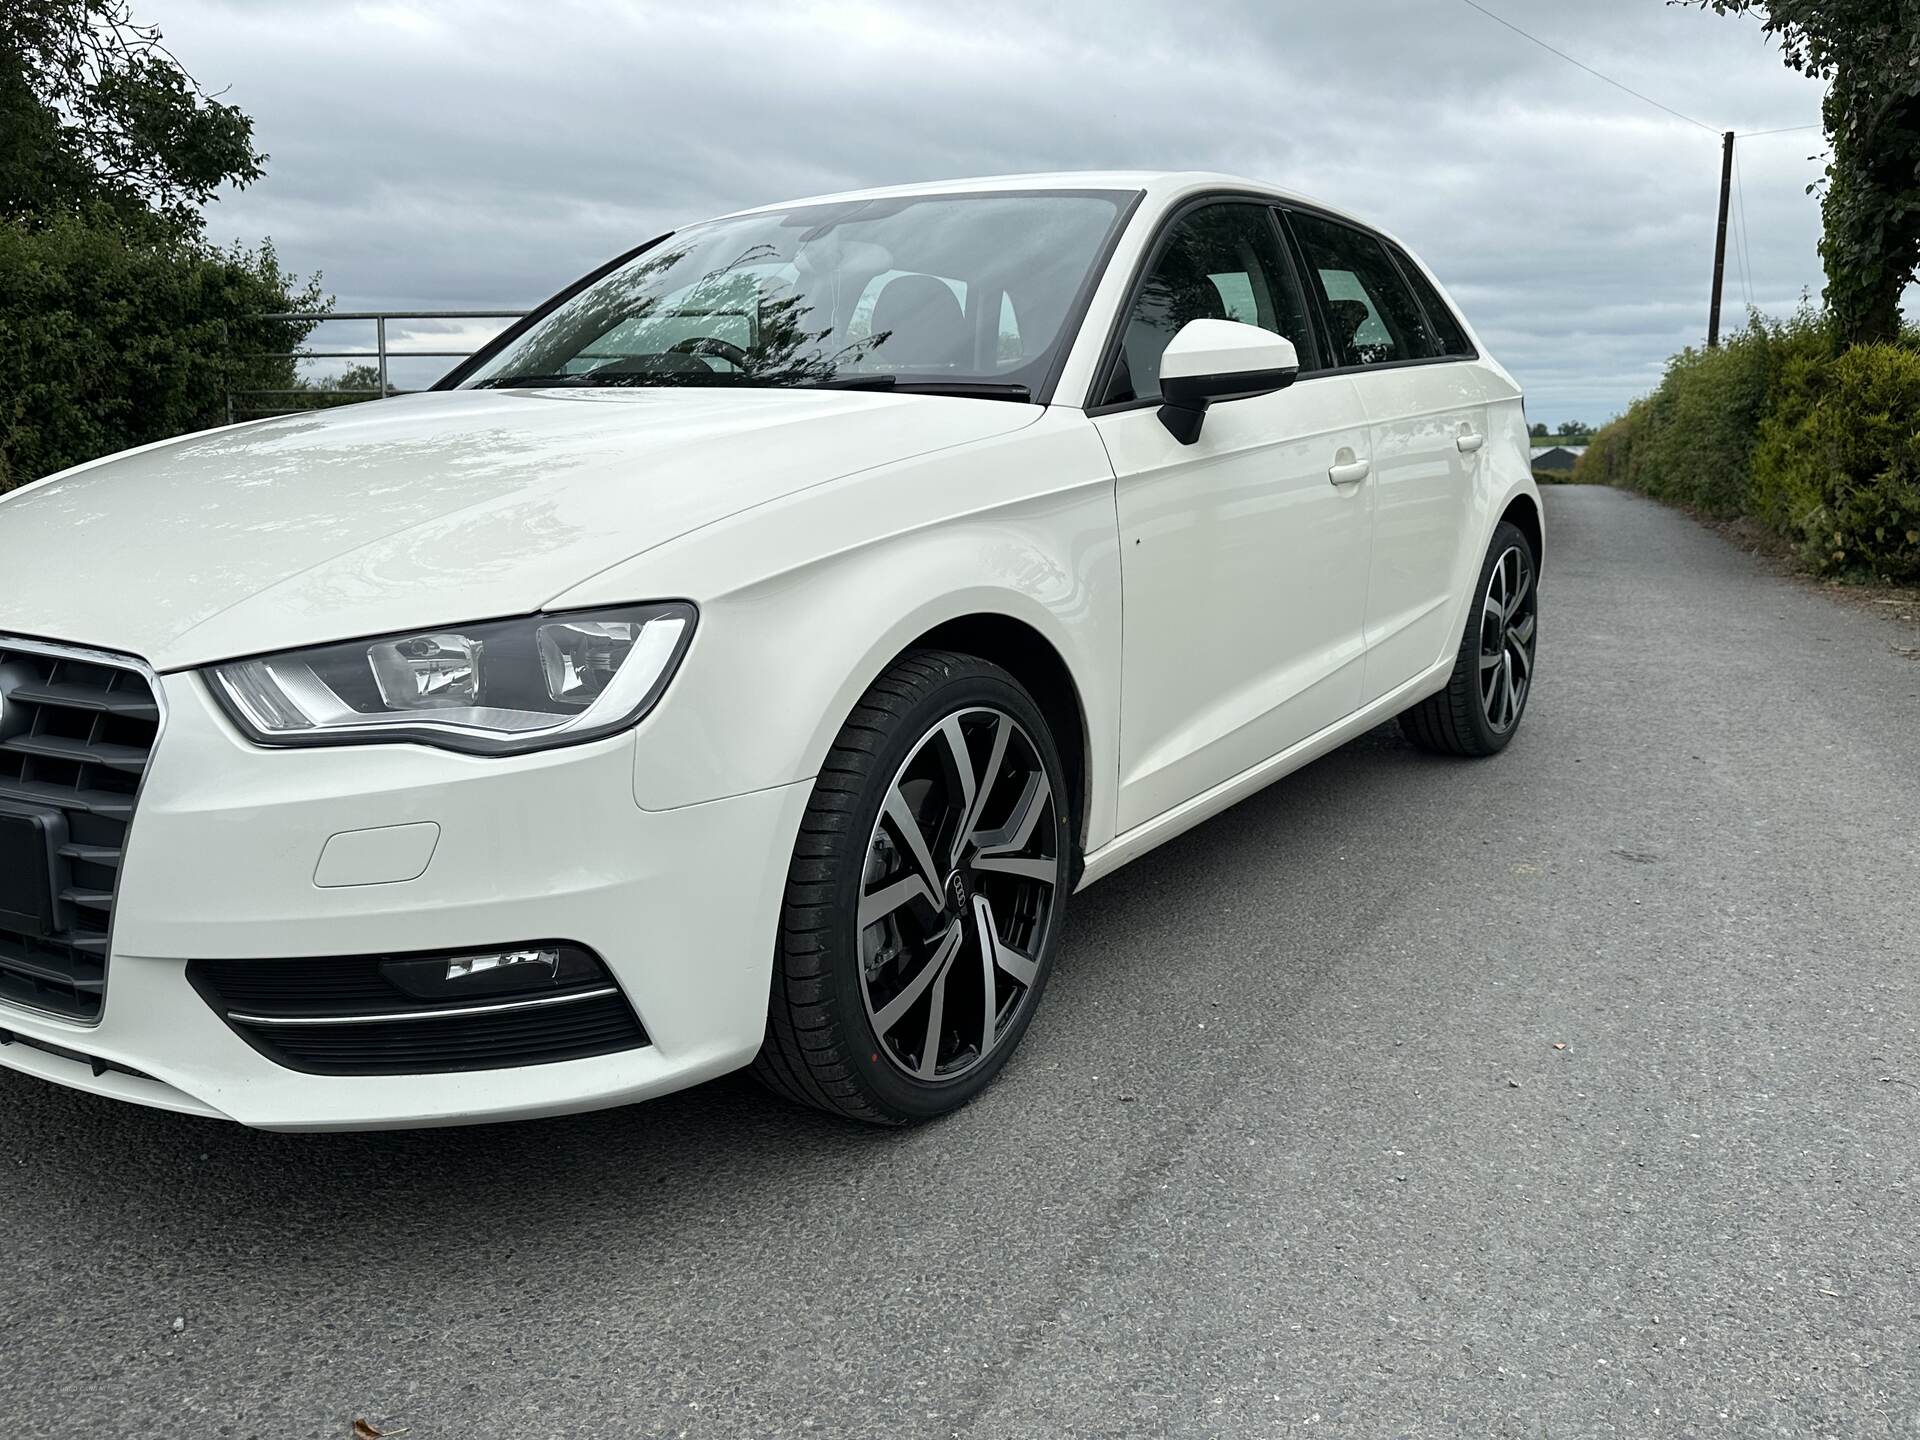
[109, 341]
[1837, 469]
[1820, 445]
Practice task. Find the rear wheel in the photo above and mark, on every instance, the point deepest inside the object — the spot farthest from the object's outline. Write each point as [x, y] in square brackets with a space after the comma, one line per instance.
[1479, 711]
[924, 898]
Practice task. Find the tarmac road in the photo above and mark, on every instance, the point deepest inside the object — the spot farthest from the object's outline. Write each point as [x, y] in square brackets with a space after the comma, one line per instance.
[1292, 1149]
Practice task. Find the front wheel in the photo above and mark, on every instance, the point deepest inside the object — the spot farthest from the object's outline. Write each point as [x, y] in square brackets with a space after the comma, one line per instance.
[1479, 711]
[924, 898]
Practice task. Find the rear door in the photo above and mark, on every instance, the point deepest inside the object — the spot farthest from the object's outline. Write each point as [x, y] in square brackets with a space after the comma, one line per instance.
[1244, 565]
[1427, 421]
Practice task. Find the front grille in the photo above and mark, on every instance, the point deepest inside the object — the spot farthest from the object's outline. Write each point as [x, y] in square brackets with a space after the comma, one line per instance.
[76, 731]
[342, 1016]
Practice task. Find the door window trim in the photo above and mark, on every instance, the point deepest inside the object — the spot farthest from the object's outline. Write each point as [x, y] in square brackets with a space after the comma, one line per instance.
[1403, 261]
[1288, 208]
[1143, 267]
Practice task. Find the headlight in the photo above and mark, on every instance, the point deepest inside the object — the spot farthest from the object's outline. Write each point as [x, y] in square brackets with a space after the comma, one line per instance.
[493, 689]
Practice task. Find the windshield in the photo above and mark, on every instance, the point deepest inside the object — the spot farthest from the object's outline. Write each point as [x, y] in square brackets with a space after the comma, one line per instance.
[966, 293]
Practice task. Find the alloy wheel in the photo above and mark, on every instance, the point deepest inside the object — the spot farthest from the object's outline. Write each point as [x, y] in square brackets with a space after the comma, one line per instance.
[963, 871]
[1508, 619]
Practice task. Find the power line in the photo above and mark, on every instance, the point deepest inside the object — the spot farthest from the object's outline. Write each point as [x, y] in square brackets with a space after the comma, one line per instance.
[1581, 65]
[1628, 89]
[1742, 231]
[1740, 256]
[1740, 239]
[1746, 253]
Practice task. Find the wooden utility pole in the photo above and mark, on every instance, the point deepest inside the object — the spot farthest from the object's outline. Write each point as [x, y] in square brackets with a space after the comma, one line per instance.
[1720, 245]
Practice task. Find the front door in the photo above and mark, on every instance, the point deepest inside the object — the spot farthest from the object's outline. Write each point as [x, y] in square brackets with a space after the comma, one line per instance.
[1244, 561]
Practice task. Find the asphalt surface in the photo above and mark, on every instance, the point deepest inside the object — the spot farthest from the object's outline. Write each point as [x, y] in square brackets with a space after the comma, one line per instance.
[1293, 1147]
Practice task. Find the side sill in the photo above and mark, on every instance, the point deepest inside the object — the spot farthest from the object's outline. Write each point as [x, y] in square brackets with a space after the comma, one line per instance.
[1209, 803]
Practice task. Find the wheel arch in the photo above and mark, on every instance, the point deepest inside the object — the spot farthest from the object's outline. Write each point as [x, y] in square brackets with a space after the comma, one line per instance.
[1523, 513]
[814, 645]
[1027, 655]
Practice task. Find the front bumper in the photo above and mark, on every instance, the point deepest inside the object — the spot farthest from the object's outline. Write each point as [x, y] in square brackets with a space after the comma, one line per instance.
[223, 861]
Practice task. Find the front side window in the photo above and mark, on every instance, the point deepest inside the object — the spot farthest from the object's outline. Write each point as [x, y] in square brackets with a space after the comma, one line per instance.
[1219, 262]
[1371, 314]
[909, 291]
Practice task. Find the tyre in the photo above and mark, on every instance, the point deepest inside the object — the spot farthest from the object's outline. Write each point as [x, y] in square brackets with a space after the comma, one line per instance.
[924, 899]
[1479, 711]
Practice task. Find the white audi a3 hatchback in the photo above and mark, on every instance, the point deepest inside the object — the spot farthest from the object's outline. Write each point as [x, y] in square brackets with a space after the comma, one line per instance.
[742, 659]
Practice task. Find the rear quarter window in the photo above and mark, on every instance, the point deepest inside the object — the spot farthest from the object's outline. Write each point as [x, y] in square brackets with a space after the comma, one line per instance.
[1446, 324]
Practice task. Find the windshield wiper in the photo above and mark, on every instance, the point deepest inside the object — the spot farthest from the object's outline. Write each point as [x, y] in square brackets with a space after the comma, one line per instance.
[617, 379]
[972, 389]
[533, 382]
[838, 382]
[967, 389]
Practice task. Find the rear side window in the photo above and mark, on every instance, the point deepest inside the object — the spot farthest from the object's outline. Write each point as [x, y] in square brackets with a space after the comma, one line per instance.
[1372, 316]
[1453, 335]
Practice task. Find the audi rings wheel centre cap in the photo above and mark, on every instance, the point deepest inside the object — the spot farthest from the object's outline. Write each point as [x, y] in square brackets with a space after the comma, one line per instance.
[959, 892]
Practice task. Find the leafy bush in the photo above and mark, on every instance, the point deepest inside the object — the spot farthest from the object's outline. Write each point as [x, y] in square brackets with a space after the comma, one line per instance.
[110, 339]
[1819, 444]
[1691, 441]
[1837, 469]
[1611, 456]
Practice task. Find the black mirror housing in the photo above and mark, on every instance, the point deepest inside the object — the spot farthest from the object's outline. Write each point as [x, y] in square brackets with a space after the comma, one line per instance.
[1185, 398]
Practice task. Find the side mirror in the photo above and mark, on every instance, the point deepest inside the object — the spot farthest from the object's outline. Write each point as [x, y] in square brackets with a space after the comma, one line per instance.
[1213, 360]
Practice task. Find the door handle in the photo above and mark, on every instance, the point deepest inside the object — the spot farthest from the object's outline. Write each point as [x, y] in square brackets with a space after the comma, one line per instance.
[1351, 473]
[1470, 442]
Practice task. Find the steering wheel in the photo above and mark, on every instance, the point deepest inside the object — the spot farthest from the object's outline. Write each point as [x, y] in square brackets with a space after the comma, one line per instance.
[704, 345]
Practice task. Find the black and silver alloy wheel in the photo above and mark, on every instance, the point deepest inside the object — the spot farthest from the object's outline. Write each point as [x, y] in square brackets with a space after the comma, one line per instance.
[1507, 623]
[958, 894]
[1492, 679]
[924, 898]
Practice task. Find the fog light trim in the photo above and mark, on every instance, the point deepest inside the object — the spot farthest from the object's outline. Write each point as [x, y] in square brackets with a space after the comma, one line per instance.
[348, 1015]
[442, 1012]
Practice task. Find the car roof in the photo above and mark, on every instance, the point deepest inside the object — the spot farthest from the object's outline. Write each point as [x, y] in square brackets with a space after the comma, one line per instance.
[1158, 186]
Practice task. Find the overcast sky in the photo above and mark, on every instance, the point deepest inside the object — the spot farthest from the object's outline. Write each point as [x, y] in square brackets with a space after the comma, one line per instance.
[479, 153]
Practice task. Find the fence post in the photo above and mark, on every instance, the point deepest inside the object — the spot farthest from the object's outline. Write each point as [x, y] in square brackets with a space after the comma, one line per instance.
[226, 365]
[380, 343]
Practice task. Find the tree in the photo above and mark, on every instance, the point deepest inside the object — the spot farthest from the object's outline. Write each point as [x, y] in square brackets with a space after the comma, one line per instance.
[95, 111]
[359, 381]
[1575, 427]
[1538, 430]
[1868, 52]
[119, 323]
[355, 378]
[106, 345]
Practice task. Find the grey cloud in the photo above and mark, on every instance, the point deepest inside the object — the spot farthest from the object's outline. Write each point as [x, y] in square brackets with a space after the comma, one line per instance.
[483, 153]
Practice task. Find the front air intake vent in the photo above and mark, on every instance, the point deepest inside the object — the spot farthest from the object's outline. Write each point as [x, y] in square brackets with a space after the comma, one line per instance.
[77, 729]
[369, 1014]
